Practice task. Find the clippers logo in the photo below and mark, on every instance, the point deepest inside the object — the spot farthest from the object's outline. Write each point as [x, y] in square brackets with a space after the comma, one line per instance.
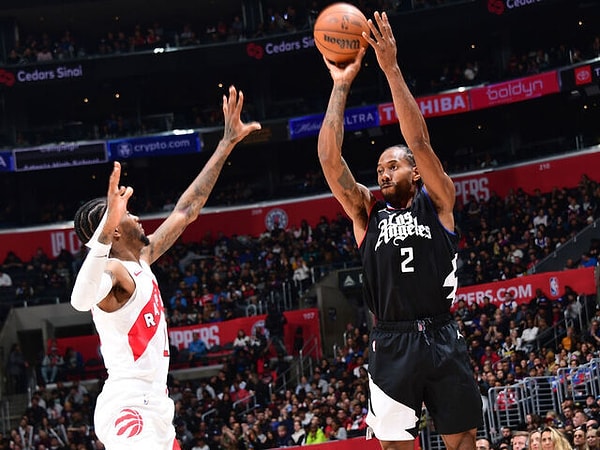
[129, 423]
[276, 218]
[7, 78]
[255, 51]
[583, 75]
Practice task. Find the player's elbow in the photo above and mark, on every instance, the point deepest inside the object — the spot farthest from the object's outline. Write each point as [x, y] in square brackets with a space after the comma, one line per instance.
[80, 304]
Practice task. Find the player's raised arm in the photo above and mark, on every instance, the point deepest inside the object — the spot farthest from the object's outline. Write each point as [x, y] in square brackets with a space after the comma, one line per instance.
[412, 123]
[195, 196]
[355, 198]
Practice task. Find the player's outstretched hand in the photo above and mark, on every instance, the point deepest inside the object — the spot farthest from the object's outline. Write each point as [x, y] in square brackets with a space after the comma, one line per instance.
[117, 198]
[235, 129]
[383, 41]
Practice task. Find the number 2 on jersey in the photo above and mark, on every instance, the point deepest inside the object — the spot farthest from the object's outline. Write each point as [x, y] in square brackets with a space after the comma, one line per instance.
[407, 258]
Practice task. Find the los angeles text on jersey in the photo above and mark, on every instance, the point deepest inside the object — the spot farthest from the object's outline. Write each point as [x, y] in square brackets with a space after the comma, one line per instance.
[398, 226]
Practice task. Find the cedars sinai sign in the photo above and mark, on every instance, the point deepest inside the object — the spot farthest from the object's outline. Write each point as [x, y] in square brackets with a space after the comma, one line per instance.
[33, 75]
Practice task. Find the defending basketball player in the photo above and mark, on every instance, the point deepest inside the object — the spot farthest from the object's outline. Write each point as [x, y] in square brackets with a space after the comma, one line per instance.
[116, 283]
[408, 246]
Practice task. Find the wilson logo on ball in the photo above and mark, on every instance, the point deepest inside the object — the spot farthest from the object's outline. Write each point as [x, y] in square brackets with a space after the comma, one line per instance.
[343, 44]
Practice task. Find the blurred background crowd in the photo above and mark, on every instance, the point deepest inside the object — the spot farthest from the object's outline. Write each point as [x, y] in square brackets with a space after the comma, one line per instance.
[253, 395]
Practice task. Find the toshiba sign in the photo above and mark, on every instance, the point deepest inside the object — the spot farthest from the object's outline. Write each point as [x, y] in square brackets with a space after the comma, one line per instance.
[431, 106]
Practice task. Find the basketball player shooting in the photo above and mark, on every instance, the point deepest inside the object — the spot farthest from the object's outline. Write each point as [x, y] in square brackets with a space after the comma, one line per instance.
[408, 247]
[116, 283]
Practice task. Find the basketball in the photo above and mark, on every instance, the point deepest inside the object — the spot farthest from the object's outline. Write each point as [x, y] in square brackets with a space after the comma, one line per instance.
[338, 32]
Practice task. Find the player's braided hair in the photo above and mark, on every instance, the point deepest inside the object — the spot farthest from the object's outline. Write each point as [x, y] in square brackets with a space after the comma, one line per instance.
[88, 217]
[408, 154]
[410, 157]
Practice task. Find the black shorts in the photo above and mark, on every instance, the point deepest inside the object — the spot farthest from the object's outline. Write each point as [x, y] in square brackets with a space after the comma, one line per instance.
[412, 364]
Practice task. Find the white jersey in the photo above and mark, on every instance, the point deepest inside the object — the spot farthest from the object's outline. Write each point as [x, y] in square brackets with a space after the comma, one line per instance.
[133, 340]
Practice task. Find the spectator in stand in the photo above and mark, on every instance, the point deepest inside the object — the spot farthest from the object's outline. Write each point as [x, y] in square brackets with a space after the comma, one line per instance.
[540, 300]
[580, 418]
[592, 438]
[298, 435]
[566, 414]
[282, 439]
[25, 292]
[242, 341]
[519, 440]
[541, 218]
[482, 444]
[35, 412]
[570, 340]
[489, 355]
[532, 422]
[197, 349]
[315, 434]
[303, 386]
[529, 335]
[178, 301]
[588, 259]
[592, 334]
[321, 384]
[579, 439]
[5, 279]
[590, 401]
[505, 436]
[74, 364]
[535, 440]
[554, 439]
[275, 324]
[509, 305]
[52, 364]
[16, 369]
[522, 314]
[301, 276]
[258, 343]
[190, 278]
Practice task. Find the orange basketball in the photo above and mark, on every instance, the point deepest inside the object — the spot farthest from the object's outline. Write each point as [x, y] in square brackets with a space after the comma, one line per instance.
[338, 32]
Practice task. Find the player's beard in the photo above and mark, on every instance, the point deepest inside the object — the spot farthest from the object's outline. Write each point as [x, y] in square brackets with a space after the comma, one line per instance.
[144, 240]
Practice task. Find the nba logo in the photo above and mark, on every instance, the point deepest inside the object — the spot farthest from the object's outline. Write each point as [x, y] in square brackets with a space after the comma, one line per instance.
[554, 286]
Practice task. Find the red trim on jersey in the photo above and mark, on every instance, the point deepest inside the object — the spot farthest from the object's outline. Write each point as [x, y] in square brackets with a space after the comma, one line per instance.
[145, 326]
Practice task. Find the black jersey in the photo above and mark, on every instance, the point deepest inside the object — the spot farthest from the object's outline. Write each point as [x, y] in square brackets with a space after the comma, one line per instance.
[409, 262]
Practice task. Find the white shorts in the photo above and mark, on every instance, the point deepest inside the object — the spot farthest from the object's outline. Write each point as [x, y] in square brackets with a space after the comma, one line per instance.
[393, 418]
[129, 419]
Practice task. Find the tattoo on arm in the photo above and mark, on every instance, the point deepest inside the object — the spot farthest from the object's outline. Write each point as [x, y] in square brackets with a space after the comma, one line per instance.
[346, 179]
